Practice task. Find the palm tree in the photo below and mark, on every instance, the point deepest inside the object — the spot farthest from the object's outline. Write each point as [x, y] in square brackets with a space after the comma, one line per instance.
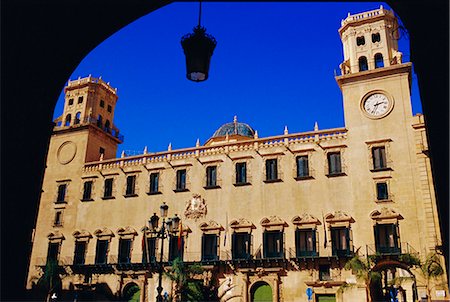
[50, 281]
[431, 269]
[362, 268]
[180, 274]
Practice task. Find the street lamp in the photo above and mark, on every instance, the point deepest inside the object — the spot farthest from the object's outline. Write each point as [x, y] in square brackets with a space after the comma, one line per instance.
[162, 233]
[198, 48]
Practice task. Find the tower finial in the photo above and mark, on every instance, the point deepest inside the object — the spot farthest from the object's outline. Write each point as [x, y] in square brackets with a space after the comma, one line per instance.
[145, 150]
[123, 154]
[286, 132]
[170, 147]
[256, 134]
[316, 126]
[197, 144]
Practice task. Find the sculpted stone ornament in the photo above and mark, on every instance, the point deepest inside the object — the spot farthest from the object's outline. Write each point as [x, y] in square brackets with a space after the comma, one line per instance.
[195, 207]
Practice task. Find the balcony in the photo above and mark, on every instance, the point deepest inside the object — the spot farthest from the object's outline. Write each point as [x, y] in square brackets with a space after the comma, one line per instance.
[376, 250]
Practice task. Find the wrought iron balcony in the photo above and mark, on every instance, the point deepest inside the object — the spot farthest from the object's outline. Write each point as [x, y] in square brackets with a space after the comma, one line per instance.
[401, 249]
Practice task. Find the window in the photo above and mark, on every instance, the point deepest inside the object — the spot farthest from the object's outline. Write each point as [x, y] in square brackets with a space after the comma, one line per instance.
[101, 251]
[124, 250]
[102, 103]
[340, 241]
[99, 121]
[70, 102]
[209, 247]
[154, 183]
[360, 41]
[80, 253]
[101, 150]
[324, 273]
[271, 170]
[131, 184]
[302, 166]
[334, 163]
[77, 118]
[211, 176]
[362, 63]
[107, 126]
[181, 180]
[376, 38]
[382, 191]
[176, 247]
[108, 188]
[68, 120]
[241, 173]
[273, 244]
[305, 242]
[58, 218]
[87, 190]
[379, 60]
[109, 108]
[53, 251]
[61, 193]
[240, 245]
[379, 158]
[80, 99]
[150, 248]
[386, 238]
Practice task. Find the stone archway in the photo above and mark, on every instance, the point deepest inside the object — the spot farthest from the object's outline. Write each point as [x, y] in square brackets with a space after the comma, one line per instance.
[261, 292]
[131, 292]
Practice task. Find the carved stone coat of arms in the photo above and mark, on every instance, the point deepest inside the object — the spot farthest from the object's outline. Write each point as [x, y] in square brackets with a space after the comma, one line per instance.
[195, 207]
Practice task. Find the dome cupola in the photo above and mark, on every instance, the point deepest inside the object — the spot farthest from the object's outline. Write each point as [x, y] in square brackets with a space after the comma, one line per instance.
[233, 131]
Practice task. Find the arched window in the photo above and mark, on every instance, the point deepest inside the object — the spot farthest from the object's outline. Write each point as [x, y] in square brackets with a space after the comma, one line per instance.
[100, 121]
[362, 61]
[107, 126]
[376, 38]
[77, 118]
[379, 60]
[68, 120]
[360, 41]
[261, 291]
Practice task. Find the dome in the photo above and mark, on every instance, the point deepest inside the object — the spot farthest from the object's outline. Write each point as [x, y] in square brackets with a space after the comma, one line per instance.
[235, 128]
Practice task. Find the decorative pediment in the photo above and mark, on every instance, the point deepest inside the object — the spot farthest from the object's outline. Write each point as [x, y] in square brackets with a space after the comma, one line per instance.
[210, 226]
[81, 234]
[338, 216]
[55, 236]
[104, 232]
[385, 213]
[126, 231]
[305, 219]
[272, 221]
[242, 223]
[195, 208]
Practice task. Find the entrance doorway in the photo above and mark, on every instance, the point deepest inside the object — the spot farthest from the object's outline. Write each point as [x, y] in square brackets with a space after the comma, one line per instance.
[261, 292]
[325, 298]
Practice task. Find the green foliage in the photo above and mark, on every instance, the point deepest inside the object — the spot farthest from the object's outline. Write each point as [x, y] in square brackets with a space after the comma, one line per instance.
[431, 267]
[50, 281]
[409, 259]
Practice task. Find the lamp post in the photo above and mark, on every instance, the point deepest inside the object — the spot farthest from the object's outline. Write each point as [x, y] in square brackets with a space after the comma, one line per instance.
[162, 233]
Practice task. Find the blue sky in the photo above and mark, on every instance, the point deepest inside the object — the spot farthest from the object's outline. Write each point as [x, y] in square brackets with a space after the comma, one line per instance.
[273, 66]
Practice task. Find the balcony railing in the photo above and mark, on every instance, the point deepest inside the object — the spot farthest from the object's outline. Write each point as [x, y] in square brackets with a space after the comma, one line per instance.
[112, 130]
[404, 248]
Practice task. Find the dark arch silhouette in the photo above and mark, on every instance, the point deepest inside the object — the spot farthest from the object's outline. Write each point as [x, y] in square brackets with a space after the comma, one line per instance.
[32, 48]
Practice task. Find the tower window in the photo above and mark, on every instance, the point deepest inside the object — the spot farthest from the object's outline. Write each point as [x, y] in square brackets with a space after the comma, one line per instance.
[62, 188]
[80, 99]
[87, 190]
[379, 158]
[360, 41]
[101, 150]
[379, 60]
[376, 38]
[241, 173]
[80, 253]
[77, 118]
[382, 191]
[58, 218]
[109, 108]
[362, 62]
[131, 184]
[334, 163]
[68, 120]
[101, 251]
[107, 126]
[154, 183]
[124, 250]
[302, 166]
[70, 102]
[211, 176]
[53, 251]
[108, 188]
[102, 103]
[181, 180]
[271, 169]
[100, 121]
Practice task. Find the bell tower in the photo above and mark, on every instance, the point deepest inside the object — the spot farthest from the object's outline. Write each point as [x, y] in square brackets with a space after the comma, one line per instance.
[87, 121]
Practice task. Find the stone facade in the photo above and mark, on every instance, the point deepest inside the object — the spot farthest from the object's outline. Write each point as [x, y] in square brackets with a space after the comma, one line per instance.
[301, 205]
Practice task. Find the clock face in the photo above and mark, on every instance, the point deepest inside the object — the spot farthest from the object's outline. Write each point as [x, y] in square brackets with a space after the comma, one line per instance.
[377, 105]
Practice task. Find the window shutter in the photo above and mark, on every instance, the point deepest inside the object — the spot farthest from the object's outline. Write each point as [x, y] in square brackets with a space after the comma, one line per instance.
[249, 245]
[265, 244]
[204, 247]
[348, 239]
[233, 245]
[313, 231]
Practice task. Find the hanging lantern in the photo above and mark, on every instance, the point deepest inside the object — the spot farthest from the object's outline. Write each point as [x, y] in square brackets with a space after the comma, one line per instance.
[198, 48]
